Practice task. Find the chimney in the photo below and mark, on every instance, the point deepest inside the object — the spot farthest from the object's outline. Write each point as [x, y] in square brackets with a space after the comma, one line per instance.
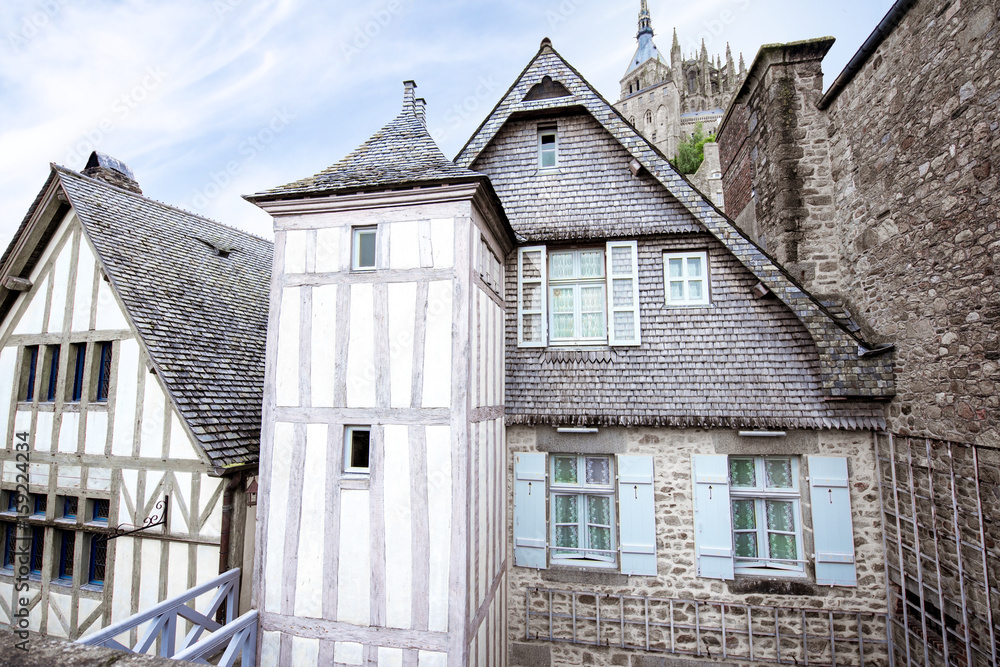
[112, 171]
[421, 110]
[409, 93]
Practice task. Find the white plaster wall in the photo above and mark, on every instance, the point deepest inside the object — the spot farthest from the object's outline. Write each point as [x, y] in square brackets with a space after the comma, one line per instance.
[287, 366]
[402, 319]
[324, 344]
[361, 349]
[277, 517]
[126, 387]
[437, 350]
[84, 293]
[398, 528]
[354, 576]
[440, 511]
[309, 580]
[8, 361]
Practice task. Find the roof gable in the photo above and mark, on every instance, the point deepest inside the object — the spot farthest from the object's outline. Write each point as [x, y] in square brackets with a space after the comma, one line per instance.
[201, 316]
[848, 367]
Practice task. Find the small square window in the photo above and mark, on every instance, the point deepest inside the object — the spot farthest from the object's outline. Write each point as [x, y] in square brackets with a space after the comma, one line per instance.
[41, 505]
[100, 510]
[686, 278]
[70, 506]
[548, 148]
[357, 449]
[364, 249]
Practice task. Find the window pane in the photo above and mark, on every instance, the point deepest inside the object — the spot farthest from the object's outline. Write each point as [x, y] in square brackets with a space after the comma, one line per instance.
[98, 555]
[598, 471]
[696, 290]
[599, 510]
[562, 326]
[37, 548]
[531, 296]
[676, 268]
[694, 267]
[782, 546]
[567, 509]
[593, 325]
[591, 264]
[568, 536]
[622, 293]
[360, 441]
[780, 516]
[600, 538]
[531, 265]
[744, 515]
[676, 291]
[66, 555]
[745, 545]
[561, 265]
[366, 248]
[562, 300]
[592, 299]
[565, 468]
[742, 472]
[548, 141]
[778, 473]
[9, 531]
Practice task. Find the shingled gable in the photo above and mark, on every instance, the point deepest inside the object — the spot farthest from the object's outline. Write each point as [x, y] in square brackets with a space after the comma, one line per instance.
[194, 290]
[401, 153]
[850, 366]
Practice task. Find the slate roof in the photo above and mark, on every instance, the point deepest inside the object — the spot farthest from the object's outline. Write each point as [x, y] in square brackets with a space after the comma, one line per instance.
[401, 153]
[201, 315]
[847, 366]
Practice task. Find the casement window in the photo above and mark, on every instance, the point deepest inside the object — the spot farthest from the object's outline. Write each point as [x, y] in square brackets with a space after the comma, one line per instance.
[100, 510]
[37, 549]
[584, 511]
[103, 374]
[548, 148]
[41, 505]
[70, 506]
[51, 374]
[8, 533]
[357, 449]
[13, 498]
[685, 276]
[490, 267]
[363, 248]
[97, 560]
[29, 373]
[578, 296]
[66, 539]
[748, 517]
[79, 365]
[766, 512]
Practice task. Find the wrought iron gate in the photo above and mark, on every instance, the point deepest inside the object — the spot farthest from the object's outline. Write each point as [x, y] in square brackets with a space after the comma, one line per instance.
[940, 513]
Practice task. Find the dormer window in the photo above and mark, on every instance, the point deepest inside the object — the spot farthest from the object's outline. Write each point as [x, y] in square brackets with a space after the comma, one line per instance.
[548, 146]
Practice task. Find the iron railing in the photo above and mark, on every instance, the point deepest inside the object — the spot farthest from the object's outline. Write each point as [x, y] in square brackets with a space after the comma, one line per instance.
[235, 638]
[708, 628]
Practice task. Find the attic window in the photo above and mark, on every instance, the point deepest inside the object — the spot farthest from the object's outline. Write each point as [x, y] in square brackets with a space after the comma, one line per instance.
[548, 148]
[547, 89]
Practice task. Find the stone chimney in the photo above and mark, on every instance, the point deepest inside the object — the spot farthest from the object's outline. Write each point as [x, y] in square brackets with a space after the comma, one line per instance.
[421, 110]
[113, 171]
[409, 94]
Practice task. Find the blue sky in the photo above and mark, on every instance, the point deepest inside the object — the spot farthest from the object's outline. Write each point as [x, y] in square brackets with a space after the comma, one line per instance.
[207, 100]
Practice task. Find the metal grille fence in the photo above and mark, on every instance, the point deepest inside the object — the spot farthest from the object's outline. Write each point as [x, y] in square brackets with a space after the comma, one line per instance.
[940, 501]
[711, 629]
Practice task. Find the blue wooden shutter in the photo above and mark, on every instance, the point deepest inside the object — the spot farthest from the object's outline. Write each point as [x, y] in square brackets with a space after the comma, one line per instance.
[713, 521]
[532, 316]
[529, 510]
[833, 530]
[622, 259]
[637, 527]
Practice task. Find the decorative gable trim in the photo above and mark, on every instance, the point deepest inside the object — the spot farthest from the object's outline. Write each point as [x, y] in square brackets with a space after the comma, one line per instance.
[847, 367]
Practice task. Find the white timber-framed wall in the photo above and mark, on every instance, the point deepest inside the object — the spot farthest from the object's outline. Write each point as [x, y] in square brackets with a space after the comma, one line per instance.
[131, 450]
[405, 566]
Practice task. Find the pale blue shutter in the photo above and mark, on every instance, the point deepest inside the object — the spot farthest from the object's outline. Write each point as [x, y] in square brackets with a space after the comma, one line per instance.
[637, 526]
[622, 259]
[833, 530]
[529, 510]
[713, 522]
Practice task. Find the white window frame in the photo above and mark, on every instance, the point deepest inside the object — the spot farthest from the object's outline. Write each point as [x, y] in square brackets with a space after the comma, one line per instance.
[546, 132]
[348, 444]
[578, 283]
[760, 494]
[581, 491]
[687, 302]
[356, 233]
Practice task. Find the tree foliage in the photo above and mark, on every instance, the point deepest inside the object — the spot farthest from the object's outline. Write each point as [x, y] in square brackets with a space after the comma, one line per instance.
[690, 153]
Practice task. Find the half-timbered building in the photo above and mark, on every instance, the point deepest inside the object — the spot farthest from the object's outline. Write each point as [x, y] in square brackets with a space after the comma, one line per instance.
[131, 362]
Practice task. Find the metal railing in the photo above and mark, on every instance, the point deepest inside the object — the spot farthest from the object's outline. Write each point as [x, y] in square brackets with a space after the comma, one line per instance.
[707, 628]
[235, 638]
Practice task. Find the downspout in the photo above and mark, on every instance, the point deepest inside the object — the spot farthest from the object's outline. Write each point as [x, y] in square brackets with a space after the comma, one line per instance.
[881, 32]
[227, 520]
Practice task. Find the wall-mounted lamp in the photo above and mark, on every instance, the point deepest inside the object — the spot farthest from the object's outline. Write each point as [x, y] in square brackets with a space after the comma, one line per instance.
[762, 434]
[575, 429]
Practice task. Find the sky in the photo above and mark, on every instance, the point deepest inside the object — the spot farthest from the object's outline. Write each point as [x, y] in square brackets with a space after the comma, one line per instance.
[208, 100]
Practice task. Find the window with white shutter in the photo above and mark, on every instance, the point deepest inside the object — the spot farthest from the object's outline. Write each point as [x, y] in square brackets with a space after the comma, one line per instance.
[531, 317]
[713, 527]
[623, 293]
[530, 495]
[833, 529]
[637, 515]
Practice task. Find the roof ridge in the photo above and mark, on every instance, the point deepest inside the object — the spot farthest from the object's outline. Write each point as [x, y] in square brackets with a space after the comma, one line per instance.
[73, 172]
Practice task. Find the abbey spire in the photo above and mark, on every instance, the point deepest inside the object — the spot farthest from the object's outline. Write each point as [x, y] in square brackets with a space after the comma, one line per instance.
[645, 22]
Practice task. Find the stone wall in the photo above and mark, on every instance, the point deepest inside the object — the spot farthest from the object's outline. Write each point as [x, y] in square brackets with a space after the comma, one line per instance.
[673, 488]
[914, 142]
[708, 178]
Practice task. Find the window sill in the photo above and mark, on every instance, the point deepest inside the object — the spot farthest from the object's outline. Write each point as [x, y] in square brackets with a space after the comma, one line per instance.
[592, 576]
[554, 171]
[688, 306]
[62, 583]
[94, 588]
[355, 482]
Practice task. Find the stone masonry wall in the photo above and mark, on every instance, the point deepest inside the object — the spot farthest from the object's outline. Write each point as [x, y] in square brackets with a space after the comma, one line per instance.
[914, 142]
[677, 571]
